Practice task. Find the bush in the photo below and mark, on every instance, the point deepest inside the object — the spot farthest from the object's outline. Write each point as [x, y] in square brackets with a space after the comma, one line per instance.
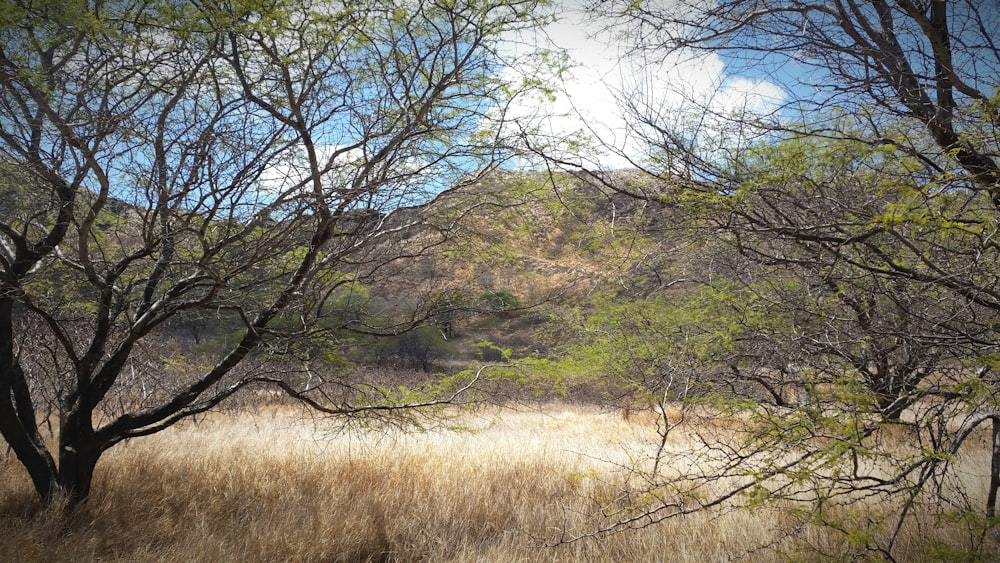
[417, 349]
[501, 302]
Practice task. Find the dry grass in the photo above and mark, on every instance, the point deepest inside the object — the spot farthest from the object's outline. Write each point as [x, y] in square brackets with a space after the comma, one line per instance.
[275, 487]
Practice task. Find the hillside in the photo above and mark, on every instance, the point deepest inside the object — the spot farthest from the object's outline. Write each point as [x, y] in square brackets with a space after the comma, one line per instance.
[549, 242]
[503, 260]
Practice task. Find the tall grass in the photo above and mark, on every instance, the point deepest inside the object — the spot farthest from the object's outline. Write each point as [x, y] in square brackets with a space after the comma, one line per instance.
[276, 487]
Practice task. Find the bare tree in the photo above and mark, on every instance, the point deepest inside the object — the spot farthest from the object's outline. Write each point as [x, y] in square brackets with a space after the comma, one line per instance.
[206, 158]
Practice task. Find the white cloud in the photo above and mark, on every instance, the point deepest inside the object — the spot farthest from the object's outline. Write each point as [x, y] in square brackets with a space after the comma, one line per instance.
[603, 91]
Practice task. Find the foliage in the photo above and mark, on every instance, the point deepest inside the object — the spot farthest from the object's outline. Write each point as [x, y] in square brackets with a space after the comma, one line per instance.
[499, 301]
[827, 325]
[859, 211]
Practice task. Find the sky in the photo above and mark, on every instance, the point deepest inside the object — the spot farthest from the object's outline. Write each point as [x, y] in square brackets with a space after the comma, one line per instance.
[590, 96]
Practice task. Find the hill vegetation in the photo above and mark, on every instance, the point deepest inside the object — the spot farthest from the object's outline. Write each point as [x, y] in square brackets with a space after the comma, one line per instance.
[525, 253]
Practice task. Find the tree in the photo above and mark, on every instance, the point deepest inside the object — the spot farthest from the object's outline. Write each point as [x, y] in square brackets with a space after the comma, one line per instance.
[862, 211]
[817, 351]
[803, 384]
[855, 214]
[239, 159]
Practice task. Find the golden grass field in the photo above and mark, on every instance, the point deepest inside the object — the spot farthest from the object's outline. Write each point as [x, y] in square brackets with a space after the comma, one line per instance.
[274, 486]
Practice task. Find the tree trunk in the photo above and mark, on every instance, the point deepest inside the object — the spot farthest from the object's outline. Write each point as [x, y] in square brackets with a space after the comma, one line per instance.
[76, 473]
[17, 412]
[26, 442]
[991, 500]
[78, 454]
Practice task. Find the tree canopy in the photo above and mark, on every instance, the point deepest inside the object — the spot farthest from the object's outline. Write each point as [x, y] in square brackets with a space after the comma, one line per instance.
[848, 231]
[235, 159]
